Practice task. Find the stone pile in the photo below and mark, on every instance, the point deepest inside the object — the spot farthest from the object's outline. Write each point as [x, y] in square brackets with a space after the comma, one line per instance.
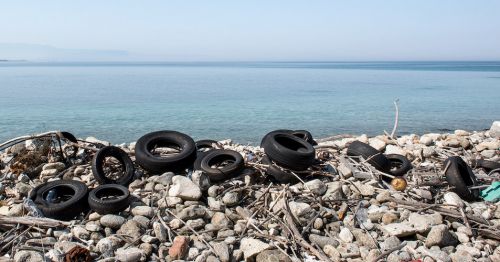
[341, 211]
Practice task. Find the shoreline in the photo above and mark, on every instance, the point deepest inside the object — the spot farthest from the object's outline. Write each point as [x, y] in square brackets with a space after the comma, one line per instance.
[344, 210]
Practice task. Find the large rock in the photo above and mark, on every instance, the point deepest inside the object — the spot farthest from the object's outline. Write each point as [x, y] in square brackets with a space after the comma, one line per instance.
[184, 188]
[495, 129]
[440, 236]
[251, 247]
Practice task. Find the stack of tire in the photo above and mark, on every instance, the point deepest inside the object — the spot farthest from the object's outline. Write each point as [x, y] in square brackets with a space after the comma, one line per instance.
[288, 152]
[66, 199]
[205, 155]
[394, 164]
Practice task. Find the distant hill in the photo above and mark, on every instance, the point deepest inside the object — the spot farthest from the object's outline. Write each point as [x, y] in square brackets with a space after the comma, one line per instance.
[34, 52]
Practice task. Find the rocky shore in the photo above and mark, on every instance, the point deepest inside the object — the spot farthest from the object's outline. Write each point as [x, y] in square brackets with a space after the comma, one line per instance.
[341, 210]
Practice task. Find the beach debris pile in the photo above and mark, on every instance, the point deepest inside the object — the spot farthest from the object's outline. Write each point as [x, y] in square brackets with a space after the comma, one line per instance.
[165, 198]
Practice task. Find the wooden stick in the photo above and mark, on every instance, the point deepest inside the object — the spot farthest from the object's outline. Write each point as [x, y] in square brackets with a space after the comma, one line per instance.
[33, 221]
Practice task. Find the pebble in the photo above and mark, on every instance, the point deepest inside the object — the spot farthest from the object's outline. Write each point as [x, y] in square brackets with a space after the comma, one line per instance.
[251, 247]
[179, 248]
[316, 186]
[184, 188]
[112, 221]
[231, 199]
[440, 236]
[28, 256]
[322, 241]
[222, 251]
[272, 256]
[451, 198]
[346, 235]
[146, 211]
[131, 254]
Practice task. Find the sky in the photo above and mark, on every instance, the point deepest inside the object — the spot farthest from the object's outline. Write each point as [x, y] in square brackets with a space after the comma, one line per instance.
[257, 30]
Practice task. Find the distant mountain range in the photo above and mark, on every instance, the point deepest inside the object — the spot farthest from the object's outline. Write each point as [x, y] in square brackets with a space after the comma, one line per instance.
[35, 52]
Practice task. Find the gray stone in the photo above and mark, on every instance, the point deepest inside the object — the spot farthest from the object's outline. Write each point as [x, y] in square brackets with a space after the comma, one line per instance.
[231, 198]
[222, 251]
[302, 211]
[28, 256]
[143, 211]
[334, 191]
[390, 242]
[184, 188]
[192, 212]
[57, 166]
[272, 256]
[251, 247]
[400, 229]
[440, 236]
[495, 129]
[112, 221]
[316, 186]
[219, 220]
[131, 228]
[131, 254]
[348, 250]
[346, 235]
[160, 231]
[322, 241]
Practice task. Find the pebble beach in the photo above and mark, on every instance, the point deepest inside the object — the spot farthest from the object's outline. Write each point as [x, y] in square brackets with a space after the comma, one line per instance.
[340, 210]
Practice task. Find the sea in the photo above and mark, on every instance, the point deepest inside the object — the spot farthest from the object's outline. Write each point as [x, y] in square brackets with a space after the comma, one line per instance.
[121, 101]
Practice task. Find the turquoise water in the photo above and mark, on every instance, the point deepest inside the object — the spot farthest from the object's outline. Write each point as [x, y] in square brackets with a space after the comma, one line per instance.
[120, 102]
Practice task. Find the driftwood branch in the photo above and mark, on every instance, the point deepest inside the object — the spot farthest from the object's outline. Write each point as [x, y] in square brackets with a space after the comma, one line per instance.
[33, 221]
[396, 120]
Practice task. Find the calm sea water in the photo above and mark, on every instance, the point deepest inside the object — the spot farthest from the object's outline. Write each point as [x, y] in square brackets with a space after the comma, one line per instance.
[119, 102]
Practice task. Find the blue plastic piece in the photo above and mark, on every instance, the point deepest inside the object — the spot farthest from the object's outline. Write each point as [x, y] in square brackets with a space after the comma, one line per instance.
[492, 193]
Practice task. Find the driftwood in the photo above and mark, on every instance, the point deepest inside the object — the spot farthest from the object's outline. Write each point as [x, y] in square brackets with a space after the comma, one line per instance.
[33, 221]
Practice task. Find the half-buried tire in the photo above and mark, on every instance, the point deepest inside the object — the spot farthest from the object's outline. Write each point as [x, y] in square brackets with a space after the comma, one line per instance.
[289, 151]
[61, 199]
[109, 199]
[220, 164]
[460, 177]
[370, 154]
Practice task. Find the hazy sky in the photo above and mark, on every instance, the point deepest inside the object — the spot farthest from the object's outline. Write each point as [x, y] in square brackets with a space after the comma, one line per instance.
[262, 30]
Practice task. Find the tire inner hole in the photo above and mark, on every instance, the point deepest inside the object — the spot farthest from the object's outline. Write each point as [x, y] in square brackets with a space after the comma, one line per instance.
[165, 150]
[221, 161]
[109, 194]
[113, 168]
[290, 143]
[59, 194]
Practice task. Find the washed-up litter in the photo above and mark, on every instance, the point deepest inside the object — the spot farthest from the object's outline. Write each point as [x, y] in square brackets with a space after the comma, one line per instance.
[295, 198]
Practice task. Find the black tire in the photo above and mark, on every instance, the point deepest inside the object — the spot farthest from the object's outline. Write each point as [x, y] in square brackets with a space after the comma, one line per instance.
[460, 176]
[273, 132]
[121, 156]
[206, 144]
[70, 137]
[289, 151]
[306, 135]
[219, 156]
[74, 192]
[400, 165]
[372, 155]
[279, 175]
[100, 201]
[199, 158]
[159, 164]
[485, 164]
